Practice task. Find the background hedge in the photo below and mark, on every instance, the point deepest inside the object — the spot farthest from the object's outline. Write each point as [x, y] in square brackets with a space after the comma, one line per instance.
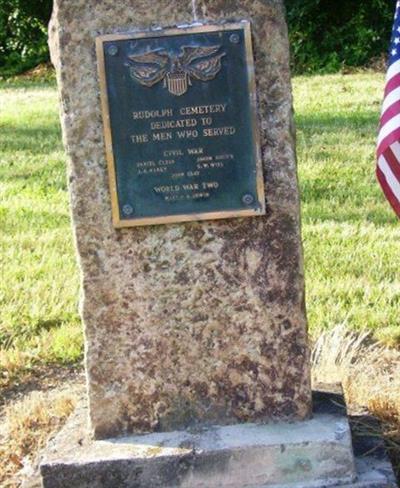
[325, 35]
[23, 34]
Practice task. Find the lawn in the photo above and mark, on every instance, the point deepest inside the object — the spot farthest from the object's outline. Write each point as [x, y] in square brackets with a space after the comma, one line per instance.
[39, 322]
[351, 236]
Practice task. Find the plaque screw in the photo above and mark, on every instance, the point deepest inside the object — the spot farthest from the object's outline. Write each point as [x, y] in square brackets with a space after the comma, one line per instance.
[127, 209]
[248, 199]
[112, 50]
[234, 38]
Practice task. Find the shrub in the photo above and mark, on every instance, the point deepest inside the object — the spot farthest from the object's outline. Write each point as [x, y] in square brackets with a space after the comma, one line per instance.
[326, 35]
[23, 34]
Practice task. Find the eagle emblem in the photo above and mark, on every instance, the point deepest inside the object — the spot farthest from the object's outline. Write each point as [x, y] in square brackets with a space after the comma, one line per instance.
[176, 70]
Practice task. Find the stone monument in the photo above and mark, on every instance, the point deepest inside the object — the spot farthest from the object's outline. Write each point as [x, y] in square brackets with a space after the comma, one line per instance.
[192, 322]
[177, 120]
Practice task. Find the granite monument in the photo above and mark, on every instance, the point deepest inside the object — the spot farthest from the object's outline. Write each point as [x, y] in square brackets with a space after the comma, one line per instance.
[178, 125]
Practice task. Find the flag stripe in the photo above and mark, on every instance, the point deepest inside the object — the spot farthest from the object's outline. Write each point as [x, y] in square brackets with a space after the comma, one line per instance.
[394, 69]
[395, 147]
[390, 178]
[392, 84]
[392, 199]
[390, 99]
[392, 162]
[390, 126]
[390, 113]
[388, 141]
[388, 146]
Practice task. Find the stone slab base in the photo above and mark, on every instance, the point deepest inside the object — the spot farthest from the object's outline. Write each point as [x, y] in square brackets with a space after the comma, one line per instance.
[313, 453]
[373, 473]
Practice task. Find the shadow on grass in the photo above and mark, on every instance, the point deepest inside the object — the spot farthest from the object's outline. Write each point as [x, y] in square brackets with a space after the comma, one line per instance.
[38, 139]
[40, 376]
[30, 156]
[350, 200]
[27, 330]
[23, 83]
[377, 217]
[29, 219]
[49, 176]
[366, 120]
[322, 202]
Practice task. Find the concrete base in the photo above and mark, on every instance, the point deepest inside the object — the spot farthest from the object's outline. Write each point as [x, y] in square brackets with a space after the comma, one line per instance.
[314, 453]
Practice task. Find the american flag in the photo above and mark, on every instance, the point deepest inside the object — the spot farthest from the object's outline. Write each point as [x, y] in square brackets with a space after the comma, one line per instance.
[388, 150]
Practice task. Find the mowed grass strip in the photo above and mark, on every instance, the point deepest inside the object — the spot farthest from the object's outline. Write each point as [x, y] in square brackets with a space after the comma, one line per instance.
[351, 236]
[39, 279]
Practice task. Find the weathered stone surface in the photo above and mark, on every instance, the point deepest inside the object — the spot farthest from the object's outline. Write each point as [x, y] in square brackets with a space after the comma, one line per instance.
[196, 322]
[312, 453]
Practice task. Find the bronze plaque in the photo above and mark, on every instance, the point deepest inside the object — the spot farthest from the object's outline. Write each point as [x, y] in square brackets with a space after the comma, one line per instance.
[180, 125]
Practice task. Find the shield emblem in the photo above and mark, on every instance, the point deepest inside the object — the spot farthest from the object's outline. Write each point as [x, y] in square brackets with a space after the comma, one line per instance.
[176, 71]
[177, 83]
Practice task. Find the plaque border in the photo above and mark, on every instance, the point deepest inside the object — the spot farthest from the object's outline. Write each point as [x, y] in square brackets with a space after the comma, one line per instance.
[167, 219]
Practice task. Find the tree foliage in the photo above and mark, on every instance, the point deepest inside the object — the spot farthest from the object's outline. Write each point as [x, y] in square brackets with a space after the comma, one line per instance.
[324, 34]
[23, 34]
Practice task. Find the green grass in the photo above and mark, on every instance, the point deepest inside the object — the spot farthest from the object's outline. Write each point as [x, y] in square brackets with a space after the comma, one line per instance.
[39, 280]
[351, 236]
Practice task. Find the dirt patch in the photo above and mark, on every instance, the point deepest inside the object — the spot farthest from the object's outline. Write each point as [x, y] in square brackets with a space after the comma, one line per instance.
[31, 412]
[370, 375]
[36, 408]
[41, 378]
